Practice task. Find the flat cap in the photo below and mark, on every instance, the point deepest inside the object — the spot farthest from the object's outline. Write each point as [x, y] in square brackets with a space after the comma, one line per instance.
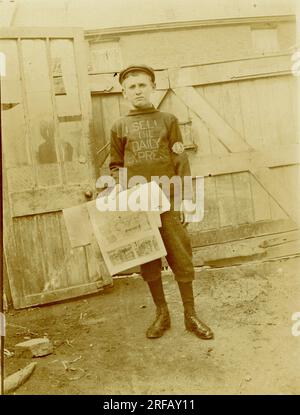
[133, 68]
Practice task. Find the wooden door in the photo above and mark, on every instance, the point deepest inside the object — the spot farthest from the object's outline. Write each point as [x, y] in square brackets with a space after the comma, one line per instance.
[49, 165]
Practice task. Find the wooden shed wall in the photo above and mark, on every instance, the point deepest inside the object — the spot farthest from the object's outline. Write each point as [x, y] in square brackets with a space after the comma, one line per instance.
[190, 44]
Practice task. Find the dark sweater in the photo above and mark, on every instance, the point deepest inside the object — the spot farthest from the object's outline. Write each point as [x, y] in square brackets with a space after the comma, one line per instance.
[142, 142]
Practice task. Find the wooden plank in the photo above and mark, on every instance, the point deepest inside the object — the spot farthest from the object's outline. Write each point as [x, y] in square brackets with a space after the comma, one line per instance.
[15, 139]
[62, 294]
[11, 91]
[10, 83]
[58, 139]
[109, 83]
[293, 108]
[263, 247]
[201, 137]
[20, 178]
[261, 202]
[97, 268]
[36, 70]
[284, 250]
[211, 214]
[289, 202]
[281, 239]
[211, 255]
[6, 286]
[250, 115]
[268, 119]
[50, 252]
[62, 53]
[278, 177]
[47, 200]
[241, 181]
[85, 99]
[266, 97]
[99, 139]
[175, 106]
[37, 32]
[216, 164]
[285, 91]
[10, 248]
[110, 112]
[51, 246]
[239, 232]
[223, 131]
[78, 225]
[265, 39]
[30, 254]
[44, 146]
[158, 96]
[231, 102]
[94, 268]
[104, 57]
[212, 94]
[268, 114]
[225, 200]
[123, 105]
[253, 136]
[28, 128]
[75, 260]
[291, 178]
[75, 160]
[230, 71]
[92, 34]
[243, 197]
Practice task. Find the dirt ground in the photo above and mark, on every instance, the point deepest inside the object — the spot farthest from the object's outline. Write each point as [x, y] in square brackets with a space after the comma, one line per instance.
[249, 307]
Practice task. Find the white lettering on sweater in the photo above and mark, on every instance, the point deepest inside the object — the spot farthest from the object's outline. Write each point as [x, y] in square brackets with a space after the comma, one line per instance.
[145, 147]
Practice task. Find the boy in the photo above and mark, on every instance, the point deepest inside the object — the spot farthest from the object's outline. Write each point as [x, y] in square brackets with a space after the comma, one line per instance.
[148, 143]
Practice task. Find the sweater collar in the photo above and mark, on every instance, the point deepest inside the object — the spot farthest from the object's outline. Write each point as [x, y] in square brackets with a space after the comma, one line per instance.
[146, 110]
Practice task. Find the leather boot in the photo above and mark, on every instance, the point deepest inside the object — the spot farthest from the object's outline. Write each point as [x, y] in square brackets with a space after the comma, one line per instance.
[161, 323]
[193, 324]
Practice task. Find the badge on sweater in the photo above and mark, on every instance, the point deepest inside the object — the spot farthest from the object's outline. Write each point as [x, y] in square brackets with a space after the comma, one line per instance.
[178, 148]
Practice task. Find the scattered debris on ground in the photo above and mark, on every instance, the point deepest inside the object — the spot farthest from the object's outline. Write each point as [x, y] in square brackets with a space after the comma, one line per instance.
[100, 346]
[34, 348]
[15, 380]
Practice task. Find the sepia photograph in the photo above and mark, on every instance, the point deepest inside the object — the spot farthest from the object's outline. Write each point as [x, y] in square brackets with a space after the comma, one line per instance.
[109, 287]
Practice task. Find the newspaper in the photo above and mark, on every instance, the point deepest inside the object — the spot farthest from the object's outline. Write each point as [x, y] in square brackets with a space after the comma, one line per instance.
[126, 238]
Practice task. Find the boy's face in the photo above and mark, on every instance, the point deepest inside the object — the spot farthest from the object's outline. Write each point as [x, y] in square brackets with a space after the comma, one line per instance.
[137, 89]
